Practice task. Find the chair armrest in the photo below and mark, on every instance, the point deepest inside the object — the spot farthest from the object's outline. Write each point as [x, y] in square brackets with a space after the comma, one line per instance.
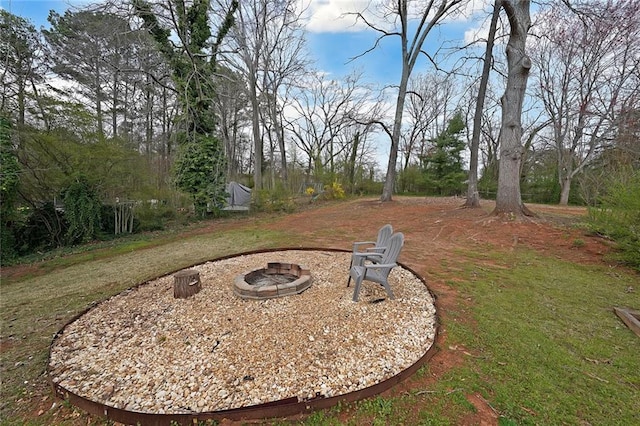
[357, 244]
[381, 266]
[359, 258]
[367, 255]
[376, 249]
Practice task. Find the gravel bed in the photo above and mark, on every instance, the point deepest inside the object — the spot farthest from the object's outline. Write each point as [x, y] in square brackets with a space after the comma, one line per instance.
[142, 350]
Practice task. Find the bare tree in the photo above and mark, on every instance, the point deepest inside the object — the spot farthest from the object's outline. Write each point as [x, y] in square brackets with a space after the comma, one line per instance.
[266, 32]
[429, 99]
[509, 198]
[284, 63]
[231, 103]
[473, 195]
[326, 112]
[428, 14]
[588, 59]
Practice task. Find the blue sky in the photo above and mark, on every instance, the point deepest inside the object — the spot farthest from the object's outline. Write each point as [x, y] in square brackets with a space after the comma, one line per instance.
[333, 39]
[34, 10]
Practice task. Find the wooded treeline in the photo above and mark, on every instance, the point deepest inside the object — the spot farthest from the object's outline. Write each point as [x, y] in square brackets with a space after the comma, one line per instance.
[159, 104]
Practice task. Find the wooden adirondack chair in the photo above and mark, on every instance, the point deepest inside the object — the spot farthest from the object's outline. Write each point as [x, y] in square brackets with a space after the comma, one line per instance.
[360, 253]
[378, 272]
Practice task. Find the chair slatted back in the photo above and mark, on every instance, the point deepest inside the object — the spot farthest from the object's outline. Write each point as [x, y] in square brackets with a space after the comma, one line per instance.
[383, 235]
[392, 251]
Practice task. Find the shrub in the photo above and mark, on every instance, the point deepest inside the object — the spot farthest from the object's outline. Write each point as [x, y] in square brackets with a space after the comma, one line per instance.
[82, 208]
[42, 228]
[276, 200]
[149, 217]
[333, 191]
[618, 217]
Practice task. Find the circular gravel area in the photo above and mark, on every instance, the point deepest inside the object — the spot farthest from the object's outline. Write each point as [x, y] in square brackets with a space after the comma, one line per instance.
[144, 351]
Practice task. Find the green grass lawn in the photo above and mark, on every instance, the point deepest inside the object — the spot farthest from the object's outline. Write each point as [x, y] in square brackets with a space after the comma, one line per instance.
[549, 348]
[541, 342]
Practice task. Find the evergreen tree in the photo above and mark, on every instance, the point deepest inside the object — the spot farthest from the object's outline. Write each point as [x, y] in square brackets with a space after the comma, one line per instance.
[442, 165]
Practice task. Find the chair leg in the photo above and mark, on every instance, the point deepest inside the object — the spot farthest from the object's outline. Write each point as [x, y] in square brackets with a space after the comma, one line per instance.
[356, 290]
[350, 265]
[387, 287]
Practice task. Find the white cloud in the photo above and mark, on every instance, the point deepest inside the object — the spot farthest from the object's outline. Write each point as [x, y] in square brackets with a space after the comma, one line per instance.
[475, 34]
[479, 18]
[336, 15]
[340, 15]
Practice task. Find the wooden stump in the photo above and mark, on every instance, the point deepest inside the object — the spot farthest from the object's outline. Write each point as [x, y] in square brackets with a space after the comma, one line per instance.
[186, 283]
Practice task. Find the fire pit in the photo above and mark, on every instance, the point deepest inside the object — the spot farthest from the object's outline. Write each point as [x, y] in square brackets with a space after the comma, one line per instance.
[276, 280]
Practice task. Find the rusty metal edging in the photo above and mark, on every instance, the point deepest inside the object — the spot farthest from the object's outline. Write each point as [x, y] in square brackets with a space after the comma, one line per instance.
[281, 408]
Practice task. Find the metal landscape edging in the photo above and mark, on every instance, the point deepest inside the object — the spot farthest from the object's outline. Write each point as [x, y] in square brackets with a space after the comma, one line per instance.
[280, 408]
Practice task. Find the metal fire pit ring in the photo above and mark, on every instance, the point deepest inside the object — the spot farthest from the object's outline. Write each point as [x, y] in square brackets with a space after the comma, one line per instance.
[281, 408]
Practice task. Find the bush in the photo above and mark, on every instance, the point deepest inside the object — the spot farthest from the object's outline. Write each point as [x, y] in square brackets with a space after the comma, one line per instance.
[83, 209]
[42, 229]
[618, 217]
[333, 191]
[148, 217]
[276, 200]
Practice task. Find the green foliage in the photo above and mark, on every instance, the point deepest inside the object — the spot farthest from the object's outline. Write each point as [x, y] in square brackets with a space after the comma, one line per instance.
[51, 160]
[40, 229]
[20, 53]
[442, 166]
[370, 186]
[82, 207]
[76, 39]
[379, 407]
[10, 171]
[539, 182]
[199, 170]
[618, 217]
[149, 217]
[9, 181]
[411, 180]
[488, 182]
[275, 200]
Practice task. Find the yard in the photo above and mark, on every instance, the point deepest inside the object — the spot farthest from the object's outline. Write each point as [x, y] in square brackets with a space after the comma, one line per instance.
[527, 329]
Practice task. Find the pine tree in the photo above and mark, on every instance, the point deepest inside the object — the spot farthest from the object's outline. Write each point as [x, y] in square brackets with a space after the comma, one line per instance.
[442, 166]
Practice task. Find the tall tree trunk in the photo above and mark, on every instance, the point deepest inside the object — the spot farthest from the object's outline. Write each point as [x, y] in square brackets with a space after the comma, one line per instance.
[99, 117]
[283, 154]
[45, 117]
[149, 123]
[114, 106]
[431, 16]
[565, 190]
[21, 101]
[352, 161]
[387, 190]
[279, 132]
[473, 196]
[509, 198]
[257, 138]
